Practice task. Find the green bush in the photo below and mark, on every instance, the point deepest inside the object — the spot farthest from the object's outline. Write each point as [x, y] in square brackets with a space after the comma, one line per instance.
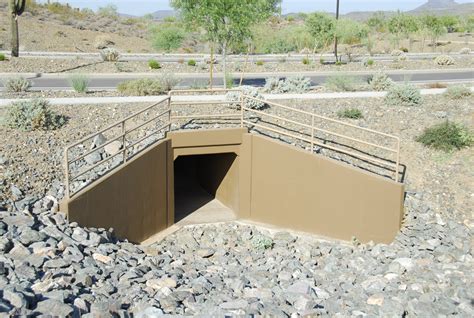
[370, 62]
[79, 82]
[447, 136]
[192, 63]
[261, 242]
[458, 92]
[167, 37]
[17, 84]
[154, 64]
[168, 81]
[351, 113]
[2, 57]
[229, 80]
[322, 61]
[31, 115]
[403, 95]
[259, 63]
[341, 83]
[306, 61]
[141, 87]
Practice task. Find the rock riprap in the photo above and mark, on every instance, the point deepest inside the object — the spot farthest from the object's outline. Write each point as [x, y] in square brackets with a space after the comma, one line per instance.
[50, 266]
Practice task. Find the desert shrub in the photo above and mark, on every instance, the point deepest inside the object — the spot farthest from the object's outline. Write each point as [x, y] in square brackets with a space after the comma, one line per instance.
[369, 62]
[351, 113]
[339, 63]
[458, 92]
[79, 83]
[167, 37]
[404, 49]
[2, 57]
[437, 85]
[403, 95]
[380, 82]
[31, 115]
[396, 53]
[192, 63]
[261, 242]
[110, 55]
[154, 64]
[168, 81]
[306, 61]
[202, 65]
[447, 136]
[465, 50]
[322, 61]
[296, 84]
[141, 87]
[259, 63]
[444, 60]
[109, 11]
[17, 84]
[341, 83]
[248, 91]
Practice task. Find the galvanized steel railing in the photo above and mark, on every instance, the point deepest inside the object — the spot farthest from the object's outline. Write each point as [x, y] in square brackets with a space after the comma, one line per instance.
[242, 118]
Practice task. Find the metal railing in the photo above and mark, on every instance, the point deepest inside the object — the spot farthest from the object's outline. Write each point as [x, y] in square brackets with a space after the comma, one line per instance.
[126, 148]
[242, 117]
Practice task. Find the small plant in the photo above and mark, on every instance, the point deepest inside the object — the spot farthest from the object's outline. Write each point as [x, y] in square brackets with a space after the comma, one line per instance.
[141, 87]
[192, 63]
[110, 55]
[202, 65]
[306, 61]
[457, 92]
[465, 50]
[181, 61]
[154, 64]
[380, 82]
[350, 113]
[259, 63]
[2, 57]
[437, 85]
[444, 60]
[396, 53]
[447, 136]
[369, 62]
[247, 91]
[297, 84]
[79, 82]
[31, 115]
[341, 83]
[339, 63]
[261, 242]
[404, 49]
[322, 61]
[17, 84]
[403, 95]
[229, 80]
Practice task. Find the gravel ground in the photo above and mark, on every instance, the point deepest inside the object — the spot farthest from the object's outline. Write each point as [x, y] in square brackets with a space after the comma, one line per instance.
[50, 266]
[78, 65]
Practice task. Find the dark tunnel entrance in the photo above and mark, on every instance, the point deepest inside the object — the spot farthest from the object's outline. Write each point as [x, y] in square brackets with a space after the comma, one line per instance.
[200, 179]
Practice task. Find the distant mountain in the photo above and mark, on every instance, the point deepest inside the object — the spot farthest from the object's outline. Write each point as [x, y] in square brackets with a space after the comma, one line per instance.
[162, 14]
[437, 5]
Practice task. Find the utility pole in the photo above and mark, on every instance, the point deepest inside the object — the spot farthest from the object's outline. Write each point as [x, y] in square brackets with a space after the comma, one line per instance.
[335, 35]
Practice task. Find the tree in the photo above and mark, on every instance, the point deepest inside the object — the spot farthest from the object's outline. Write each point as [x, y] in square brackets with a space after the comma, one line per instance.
[403, 25]
[434, 28]
[167, 37]
[450, 22]
[350, 32]
[226, 22]
[322, 27]
[377, 22]
[16, 8]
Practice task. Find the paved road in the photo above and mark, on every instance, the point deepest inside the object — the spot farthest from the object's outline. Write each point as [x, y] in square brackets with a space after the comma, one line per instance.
[110, 81]
[235, 58]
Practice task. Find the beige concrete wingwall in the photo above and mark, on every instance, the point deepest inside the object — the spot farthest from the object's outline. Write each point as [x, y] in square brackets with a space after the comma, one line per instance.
[261, 179]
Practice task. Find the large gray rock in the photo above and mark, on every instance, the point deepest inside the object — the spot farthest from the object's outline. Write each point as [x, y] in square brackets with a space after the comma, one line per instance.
[54, 307]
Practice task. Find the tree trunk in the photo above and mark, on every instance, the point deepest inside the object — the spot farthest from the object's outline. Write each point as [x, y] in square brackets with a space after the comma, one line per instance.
[224, 60]
[335, 37]
[15, 41]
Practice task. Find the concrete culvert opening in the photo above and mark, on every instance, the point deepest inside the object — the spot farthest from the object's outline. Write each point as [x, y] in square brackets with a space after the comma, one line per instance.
[205, 188]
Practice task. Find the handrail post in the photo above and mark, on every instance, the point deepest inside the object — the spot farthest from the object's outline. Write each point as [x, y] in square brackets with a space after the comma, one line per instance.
[169, 112]
[242, 110]
[397, 168]
[66, 166]
[124, 146]
[312, 133]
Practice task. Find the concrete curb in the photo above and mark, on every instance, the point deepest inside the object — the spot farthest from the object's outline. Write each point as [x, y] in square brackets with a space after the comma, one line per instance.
[190, 98]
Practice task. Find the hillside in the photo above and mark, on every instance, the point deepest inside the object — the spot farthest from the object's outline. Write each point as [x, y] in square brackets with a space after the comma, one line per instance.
[445, 7]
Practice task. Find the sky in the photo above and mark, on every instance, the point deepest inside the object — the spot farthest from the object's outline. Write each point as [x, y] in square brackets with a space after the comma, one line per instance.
[141, 7]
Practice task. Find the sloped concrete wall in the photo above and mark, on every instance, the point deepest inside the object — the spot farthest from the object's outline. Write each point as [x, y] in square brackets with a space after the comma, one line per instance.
[133, 200]
[294, 189]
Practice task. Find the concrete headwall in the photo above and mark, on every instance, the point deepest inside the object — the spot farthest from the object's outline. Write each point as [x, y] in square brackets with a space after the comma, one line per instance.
[292, 188]
[259, 178]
